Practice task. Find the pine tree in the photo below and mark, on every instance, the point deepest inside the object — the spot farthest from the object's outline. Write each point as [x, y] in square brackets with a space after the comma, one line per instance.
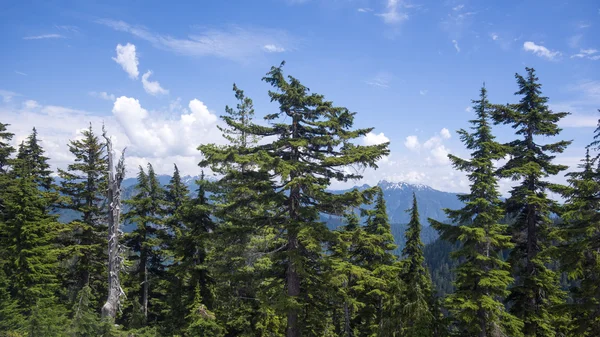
[201, 320]
[146, 213]
[536, 288]
[417, 297]
[84, 183]
[483, 277]
[580, 244]
[308, 152]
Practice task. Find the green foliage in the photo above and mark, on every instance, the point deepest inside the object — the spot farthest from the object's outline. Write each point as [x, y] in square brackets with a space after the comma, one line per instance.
[535, 291]
[483, 277]
[84, 184]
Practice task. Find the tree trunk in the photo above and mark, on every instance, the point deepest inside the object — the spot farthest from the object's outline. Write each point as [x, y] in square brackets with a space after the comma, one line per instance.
[114, 212]
[293, 286]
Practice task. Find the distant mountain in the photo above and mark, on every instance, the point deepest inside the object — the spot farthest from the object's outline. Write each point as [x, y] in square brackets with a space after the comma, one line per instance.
[398, 197]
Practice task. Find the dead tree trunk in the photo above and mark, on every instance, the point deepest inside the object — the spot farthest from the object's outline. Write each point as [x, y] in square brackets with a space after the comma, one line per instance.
[114, 213]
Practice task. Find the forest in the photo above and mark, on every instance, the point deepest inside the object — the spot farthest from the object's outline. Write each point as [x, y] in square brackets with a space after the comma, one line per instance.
[248, 253]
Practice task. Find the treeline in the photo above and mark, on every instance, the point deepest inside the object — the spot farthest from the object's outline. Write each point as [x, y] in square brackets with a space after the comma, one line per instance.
[248, 254]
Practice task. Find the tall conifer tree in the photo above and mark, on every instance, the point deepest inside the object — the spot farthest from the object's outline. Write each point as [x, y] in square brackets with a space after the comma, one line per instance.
[312, 147]
[536, 288]
[416, 311]
[84, 183]
[483, 277]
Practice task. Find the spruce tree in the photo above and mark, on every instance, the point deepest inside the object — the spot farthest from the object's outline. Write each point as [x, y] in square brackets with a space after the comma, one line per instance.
[580, 244]
[536, 288]
[311, 146]
[417, 318]
[84, 184]
[33, 155]
[6, 150]
[483, 277]
[146, 213]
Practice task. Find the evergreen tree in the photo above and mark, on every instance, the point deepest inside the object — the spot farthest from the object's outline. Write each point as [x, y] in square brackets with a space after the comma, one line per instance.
[146, 213]
[483, 277]
[417, 297]
[580, 244]
[201, 320]
[536, 288]
[311, 149]
[84, 184]
[29, 253]
[6, 150]
[33, 156]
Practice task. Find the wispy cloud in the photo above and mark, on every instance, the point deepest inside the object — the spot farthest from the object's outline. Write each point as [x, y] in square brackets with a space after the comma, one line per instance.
[591, 54]
[365, 10]
[68, 28]
[44, 36]
[579, 121]
[494, 36]
[381, 80]
[271, 48]
[103, 95]
[7, 96]
[540, 50]
[234, 43]
[423, 92]
[20, 73]
[455, 43]
[394, 13]
[152, 87]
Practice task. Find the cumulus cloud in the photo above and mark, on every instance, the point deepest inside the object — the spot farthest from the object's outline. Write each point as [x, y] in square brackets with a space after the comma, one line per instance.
[540, 51]
[374, 138]
[445, 133]
[152, 87]
[127, 58]
[412, 143]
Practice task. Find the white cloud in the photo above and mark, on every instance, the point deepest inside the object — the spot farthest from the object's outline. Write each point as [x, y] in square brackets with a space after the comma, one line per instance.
[365, 10]
[540, 51]
[579, 121]
[455, 43]
[423, 92]
[20, 73]
[591, 54]
[103, 95]
[271, 48]
[44, 36]
[459, 7]
[393, 15]
[235, 43]
[382, 80]
[31, 105]
[152, 87]
[127, 58]
[412, 143]
[445, 133]
[439, 155]
[469, 109]
[575, 41]
[7, 96]
[374, 138]
[494, 36]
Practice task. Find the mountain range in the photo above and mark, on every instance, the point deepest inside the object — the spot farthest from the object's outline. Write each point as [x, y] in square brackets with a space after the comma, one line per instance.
[398, 197]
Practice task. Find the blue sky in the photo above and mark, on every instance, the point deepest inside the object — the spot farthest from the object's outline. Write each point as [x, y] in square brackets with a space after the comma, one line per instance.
[158, 74]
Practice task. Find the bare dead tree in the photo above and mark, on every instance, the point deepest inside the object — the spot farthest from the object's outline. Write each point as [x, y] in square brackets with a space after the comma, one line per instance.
[115, 260]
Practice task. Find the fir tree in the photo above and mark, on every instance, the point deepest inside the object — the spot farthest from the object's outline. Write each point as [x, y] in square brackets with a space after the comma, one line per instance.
[311, 148]
[579, 250]
[32, 154]
[84, 183]
[146, 213]
[416, 311]
[536, 288]
[6, 150]
[483, 277]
